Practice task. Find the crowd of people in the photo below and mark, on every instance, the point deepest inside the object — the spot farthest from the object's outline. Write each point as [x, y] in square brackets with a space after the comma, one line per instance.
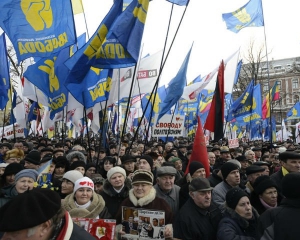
[251, 192]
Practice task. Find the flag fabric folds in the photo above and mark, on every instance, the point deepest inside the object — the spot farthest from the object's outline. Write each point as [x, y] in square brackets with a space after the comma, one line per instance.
[175, 88]
[215, 118]
[37, 29]
[4, 73]
[294, 112]
[199, 152]
[249, 15]
[77, 6]
[273, 95]
[80, 63]
[33, 112]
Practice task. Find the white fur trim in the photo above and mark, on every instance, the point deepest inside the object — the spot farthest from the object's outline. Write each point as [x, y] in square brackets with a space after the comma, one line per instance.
[144, 200]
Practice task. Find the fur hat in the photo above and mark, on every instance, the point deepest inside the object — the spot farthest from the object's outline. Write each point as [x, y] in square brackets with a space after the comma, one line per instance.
[262, 183]
[72, 175]
[33, 157]
[14, 153]
[83, 182]
[233, 197]
[114, 170]
[142, 176]
[29, 209]
[77, 164]
[31, 173]
[76, 154]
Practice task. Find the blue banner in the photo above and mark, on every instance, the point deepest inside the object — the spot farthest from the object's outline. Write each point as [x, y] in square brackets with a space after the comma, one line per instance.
[94, 88]
[4, 73]
[38, 28]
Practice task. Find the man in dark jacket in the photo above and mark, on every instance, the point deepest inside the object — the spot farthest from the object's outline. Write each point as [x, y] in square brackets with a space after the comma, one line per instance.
[290, 163]
[283, 222]
[38, 215]
[199, 217]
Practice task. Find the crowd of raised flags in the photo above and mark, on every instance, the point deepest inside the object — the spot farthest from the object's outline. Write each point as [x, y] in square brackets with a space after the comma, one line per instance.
[71, 78]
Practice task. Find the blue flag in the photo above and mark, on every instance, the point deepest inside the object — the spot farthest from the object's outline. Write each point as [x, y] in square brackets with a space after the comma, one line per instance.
[4, 73]
[81, 62]
[94, 88]
[179, 2]
[175, 88]
[33, 112]
[121, 47]
[37, 28]
[249, 15]
[243, 105]
[228, 102]
[294, 112]
[237, 72]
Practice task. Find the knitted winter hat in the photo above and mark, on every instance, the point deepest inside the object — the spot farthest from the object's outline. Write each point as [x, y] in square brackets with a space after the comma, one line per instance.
[142, 176]
[148, 159]
[31, 173]
[262, 183]
[33, 157]
[233, 197]
[194, 166]
[77, 164]
[83, 182]
[114, 170]
[72, 175]
[227, 168]
[290, 185]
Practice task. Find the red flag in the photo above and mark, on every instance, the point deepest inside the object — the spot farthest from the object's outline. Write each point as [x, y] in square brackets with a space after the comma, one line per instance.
[199, 152]
[215, 118]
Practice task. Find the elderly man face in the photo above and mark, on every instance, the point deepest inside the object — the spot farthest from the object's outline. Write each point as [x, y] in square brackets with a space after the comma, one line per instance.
[168, 146]
[211, 158]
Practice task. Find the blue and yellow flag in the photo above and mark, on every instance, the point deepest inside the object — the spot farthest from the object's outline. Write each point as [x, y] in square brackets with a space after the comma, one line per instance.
[33, 112]
[4, 73]
[94, 88]
[121, 47]
[294, 112]
[81, 62]
[37, 28]
[249, 15]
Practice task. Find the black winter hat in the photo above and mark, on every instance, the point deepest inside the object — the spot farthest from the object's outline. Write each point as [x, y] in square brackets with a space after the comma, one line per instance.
[77, 164]
[233, 197]
[12, 168]
[262, 183]
[290, 185]
[227, 168]
[127, 158]
[194, 166]
[33, 157]
[148, 159]
[41, 204]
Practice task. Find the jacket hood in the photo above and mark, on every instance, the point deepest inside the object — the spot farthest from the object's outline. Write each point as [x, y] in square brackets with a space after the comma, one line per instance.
[77, 154]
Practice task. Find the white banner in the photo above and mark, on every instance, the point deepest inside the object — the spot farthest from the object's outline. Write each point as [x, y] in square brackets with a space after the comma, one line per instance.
[9, 131]
[169, 127]
[233, 143]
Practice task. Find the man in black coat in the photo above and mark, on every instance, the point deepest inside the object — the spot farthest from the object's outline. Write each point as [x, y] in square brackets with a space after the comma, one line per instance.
[37, 214]
[283, 222]
[199, 217]
[290, 163]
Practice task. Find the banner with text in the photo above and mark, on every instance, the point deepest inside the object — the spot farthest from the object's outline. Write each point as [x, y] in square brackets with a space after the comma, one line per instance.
[168, 125]
[9, 131]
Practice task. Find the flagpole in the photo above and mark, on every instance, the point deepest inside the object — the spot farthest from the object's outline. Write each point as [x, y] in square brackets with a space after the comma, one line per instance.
[12, 113]
[171, 120]
[268, 74]
[3, 121]
[87, 128]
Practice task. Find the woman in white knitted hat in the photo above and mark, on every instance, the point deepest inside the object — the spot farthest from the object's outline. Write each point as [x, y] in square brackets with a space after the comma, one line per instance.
[68, 182]
[115, 189]
[84, 202]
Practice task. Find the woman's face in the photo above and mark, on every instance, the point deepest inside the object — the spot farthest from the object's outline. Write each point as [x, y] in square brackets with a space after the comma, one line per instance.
[269, 196]
[13, 160]
[107, 165]
[80, 169]
[10, 179]
[244, 208]
[67, 187]
[23, 184]
[90, 171]
[141, 190]
[83, 195]
[59, 170]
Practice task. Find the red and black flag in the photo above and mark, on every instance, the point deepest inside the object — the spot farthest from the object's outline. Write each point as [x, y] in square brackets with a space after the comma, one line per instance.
[215, 118]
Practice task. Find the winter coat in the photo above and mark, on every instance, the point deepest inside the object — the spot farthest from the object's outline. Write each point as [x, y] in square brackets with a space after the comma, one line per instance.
[148, 202]
[219, 193]
[194, 223]
[96, 209]
[7, 193]
[235, 227]
[281, 223]
[256, 203]
[277, 178]
[113, 199]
